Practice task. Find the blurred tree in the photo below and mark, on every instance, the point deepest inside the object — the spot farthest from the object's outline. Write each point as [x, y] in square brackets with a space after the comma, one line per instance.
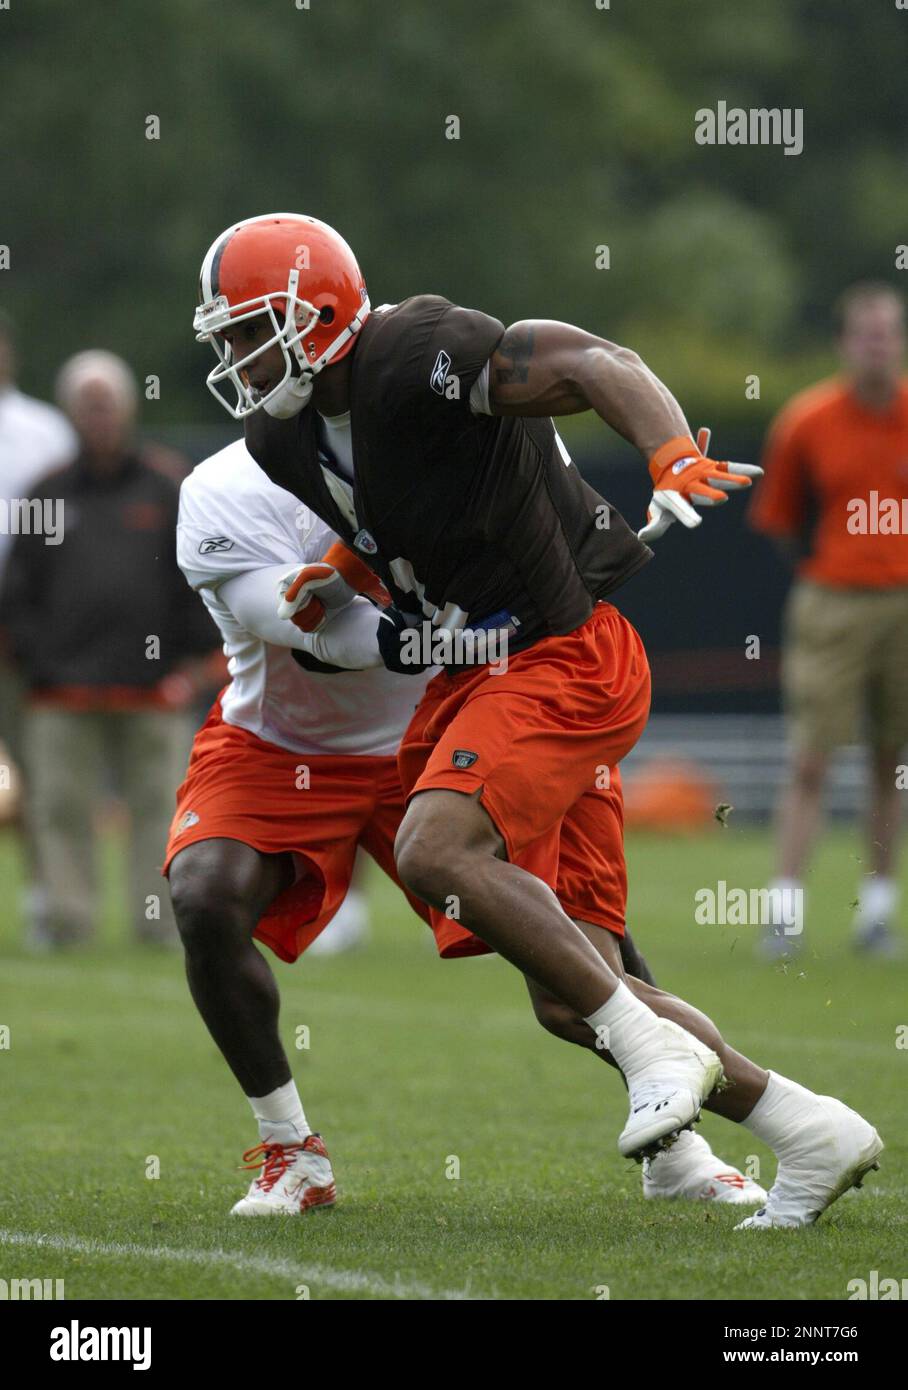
[576, 131]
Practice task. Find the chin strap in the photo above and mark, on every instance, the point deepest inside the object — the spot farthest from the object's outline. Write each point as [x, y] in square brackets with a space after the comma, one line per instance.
[290, 399]
[353, 327]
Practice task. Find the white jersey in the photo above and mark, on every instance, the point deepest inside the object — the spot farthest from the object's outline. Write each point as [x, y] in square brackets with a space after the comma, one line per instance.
[237, 534]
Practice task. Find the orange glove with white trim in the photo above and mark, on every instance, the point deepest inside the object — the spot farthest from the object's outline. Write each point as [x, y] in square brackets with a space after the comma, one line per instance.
[682, 475]
[307, 596]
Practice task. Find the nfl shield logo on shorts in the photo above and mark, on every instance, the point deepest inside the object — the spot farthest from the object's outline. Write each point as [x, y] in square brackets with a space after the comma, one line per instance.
[462, 757]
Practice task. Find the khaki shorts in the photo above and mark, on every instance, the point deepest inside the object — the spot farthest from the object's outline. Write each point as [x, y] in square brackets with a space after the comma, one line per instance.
[845, 666]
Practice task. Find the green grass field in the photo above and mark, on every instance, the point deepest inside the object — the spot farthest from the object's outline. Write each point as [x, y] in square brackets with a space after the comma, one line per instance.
[411, 1062]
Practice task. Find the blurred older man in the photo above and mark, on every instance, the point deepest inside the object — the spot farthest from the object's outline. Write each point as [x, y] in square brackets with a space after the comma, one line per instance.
[838, 456]
[35, 438]
[114, 648]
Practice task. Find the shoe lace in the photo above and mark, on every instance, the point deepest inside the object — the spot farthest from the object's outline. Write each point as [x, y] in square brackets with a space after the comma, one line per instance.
[273, 1159]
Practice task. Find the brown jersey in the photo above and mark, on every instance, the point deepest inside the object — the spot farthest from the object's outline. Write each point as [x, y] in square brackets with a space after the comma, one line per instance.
[456, 511]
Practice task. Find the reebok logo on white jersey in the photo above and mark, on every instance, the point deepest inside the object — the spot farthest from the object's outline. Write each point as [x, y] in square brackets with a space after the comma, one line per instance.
[440, 372]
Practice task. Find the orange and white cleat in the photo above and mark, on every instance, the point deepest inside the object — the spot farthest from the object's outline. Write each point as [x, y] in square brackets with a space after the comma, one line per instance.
[690, 1169]
[294, 1178]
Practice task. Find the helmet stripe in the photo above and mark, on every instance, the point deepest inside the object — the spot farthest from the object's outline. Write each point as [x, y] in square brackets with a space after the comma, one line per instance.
[208, 280]
[216, 265]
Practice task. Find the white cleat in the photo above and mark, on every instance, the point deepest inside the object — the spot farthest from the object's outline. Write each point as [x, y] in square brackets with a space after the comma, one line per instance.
[836, 1152]
[294, 1178]
[690, 1169]
[665, 1097]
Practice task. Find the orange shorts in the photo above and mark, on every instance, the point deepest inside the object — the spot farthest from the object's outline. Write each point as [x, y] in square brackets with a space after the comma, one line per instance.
[542, 741]
[317, 808]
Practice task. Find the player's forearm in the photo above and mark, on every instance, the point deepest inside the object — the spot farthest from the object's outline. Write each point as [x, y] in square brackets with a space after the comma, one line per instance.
[348, 638]
[619, 386]
[252, 600]
[541, 367]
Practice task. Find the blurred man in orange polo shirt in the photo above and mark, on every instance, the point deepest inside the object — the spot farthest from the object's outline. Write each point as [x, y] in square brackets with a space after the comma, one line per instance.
[838, 453]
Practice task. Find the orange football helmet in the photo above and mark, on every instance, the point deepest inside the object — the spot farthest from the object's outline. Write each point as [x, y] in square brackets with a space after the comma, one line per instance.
[304, 276]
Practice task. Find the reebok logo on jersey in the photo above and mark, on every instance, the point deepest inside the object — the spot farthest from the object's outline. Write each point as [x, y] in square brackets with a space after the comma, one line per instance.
[212, 543]
[363, 541]
[190, 818]
[440, 372]
[463, 758]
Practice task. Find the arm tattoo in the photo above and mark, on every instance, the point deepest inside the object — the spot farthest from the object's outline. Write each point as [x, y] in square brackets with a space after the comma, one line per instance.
[516, 347]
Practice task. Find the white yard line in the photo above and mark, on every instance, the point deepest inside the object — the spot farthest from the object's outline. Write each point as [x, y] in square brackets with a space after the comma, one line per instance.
[343, 1281]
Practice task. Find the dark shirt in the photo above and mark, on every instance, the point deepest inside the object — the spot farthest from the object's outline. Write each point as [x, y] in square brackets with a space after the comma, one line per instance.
[81, 613]
[480, 512]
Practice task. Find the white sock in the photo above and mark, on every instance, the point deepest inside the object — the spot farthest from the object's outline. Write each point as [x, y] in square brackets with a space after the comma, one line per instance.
[628, 1029]
[878, 898]
[280, 1115]
[779, 1115]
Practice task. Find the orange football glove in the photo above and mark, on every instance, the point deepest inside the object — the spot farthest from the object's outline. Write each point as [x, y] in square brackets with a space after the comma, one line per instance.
[308, 595]
[682, 474]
